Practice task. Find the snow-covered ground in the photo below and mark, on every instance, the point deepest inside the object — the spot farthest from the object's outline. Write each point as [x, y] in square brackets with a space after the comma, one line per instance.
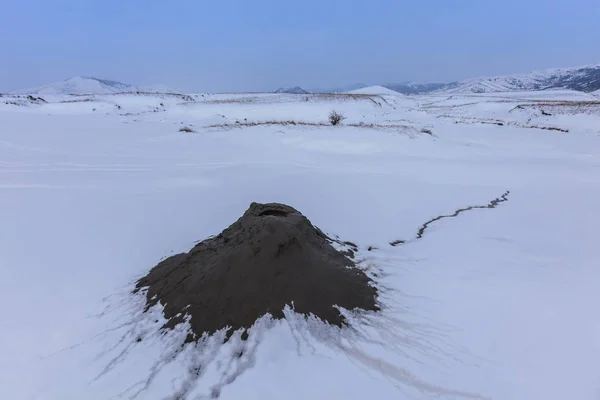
[494, 303]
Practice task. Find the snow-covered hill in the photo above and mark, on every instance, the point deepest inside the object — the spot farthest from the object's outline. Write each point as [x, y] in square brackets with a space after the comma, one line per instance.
[81, 85]
[341, 89]
[585, 79]
[582, 78]
[292, 90]
[378, 90]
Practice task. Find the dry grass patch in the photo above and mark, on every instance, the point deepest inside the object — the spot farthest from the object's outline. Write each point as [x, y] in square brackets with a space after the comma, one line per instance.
[266, 123]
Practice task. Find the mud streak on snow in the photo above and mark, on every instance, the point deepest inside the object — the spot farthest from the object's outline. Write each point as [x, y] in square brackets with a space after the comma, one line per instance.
[421, 231]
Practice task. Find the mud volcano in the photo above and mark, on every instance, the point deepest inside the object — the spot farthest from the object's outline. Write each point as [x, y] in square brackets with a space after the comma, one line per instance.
[269, 258]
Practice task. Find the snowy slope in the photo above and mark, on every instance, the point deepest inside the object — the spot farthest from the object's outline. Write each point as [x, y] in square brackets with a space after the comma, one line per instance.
[376, 90]
[585, 78]
[581, 78]
[340, 89]
[82, 85]
[491, 304]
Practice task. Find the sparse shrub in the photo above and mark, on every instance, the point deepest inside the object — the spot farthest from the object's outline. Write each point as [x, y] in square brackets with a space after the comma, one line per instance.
[427, 131]
[186, 129]
[335, 117]
[36, 99]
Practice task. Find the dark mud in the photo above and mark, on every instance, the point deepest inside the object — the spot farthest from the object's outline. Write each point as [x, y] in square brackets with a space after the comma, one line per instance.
[269, 258]
[492, 204]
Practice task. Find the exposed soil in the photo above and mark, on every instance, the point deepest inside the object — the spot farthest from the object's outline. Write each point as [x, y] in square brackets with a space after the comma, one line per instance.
[269, 258]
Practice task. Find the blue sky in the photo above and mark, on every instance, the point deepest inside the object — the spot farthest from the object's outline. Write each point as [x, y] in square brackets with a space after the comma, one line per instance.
[236, 45]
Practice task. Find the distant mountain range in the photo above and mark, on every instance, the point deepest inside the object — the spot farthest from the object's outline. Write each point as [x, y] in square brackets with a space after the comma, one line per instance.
[583, 78]
[81, 85]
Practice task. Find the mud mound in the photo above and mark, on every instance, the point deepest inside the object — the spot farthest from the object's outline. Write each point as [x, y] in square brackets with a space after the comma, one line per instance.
[269, 258]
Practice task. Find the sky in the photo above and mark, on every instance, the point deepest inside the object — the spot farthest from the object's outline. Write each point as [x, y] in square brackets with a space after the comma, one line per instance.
[260, 45]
